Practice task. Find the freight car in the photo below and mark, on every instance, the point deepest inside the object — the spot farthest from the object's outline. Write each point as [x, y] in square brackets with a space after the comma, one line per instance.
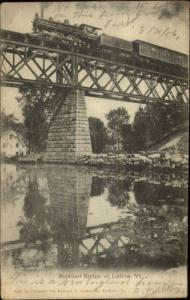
[107, 42]
[109, 46]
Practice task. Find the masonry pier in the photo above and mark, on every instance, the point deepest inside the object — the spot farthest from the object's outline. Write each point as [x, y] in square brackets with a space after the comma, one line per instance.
[69, 135]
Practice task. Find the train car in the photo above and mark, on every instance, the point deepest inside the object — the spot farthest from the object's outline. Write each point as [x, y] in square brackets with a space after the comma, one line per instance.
[158, 54]
[116, 48]
[107, 41]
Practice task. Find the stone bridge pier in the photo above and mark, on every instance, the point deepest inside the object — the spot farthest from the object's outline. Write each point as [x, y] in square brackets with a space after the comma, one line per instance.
[69, 135]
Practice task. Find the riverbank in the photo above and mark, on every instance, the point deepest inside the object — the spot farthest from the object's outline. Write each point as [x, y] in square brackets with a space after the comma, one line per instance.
[144, 160]
[155, 160]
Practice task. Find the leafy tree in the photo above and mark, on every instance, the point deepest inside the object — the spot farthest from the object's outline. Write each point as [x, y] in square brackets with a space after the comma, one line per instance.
[38, 107]
[140, 130]
[156, 121]
[118, 125]
[98, 134]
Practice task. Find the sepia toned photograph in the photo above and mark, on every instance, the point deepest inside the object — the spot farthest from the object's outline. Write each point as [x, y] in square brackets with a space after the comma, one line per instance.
[94, 149]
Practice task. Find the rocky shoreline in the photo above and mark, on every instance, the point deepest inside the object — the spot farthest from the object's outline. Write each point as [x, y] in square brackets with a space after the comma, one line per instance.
[167, 161]
[155, 160]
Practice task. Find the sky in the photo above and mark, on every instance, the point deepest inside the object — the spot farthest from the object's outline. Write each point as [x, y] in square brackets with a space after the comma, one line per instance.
[165, 23]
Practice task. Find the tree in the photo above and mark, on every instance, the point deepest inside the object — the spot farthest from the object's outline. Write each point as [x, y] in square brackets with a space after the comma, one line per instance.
[36, 127]
[38, 107]
[98, 134]
[140, 130]
[155, 121]
[118, 125]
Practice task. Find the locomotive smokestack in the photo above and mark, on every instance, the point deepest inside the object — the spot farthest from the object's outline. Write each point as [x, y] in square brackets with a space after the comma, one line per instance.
[42, 10]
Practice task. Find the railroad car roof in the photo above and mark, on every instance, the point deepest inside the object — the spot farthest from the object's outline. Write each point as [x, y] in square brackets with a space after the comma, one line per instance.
[115, 37]
[160, 47]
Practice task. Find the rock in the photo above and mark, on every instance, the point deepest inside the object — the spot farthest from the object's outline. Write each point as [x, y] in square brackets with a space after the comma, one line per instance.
[176, 158]
[151, 219]
[152, 160]
[185, 219]
[168, 156]
[142, 158]
[154, 155]
[184, 161]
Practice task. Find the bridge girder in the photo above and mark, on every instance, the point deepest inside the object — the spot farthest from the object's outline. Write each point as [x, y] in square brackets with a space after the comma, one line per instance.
[25, 63]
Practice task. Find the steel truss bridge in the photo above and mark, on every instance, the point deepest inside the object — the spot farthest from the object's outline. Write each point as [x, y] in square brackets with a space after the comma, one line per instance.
[35, 63]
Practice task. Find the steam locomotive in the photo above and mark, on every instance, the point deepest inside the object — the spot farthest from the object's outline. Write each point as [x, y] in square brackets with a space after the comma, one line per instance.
[85, 40]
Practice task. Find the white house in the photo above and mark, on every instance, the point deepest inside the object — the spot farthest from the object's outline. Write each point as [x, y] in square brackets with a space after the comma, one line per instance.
[12, 145]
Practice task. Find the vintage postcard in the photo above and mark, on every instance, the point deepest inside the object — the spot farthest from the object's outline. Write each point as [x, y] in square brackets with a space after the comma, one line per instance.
[94, 149]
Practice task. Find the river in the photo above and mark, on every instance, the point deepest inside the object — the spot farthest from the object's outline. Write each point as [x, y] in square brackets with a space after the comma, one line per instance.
[65, 216]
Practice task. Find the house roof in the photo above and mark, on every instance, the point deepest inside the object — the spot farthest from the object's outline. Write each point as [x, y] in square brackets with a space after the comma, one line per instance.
[13, 132]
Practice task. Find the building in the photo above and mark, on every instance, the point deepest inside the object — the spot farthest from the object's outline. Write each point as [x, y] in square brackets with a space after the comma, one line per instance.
[12, 145]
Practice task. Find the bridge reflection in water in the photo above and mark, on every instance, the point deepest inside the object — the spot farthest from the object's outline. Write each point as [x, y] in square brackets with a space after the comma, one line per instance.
[73, 217]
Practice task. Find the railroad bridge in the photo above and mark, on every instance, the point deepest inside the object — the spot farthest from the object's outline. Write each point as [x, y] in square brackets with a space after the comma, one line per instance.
[37, 62]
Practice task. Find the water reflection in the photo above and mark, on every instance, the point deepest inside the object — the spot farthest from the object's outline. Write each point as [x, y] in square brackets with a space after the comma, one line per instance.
[97, 187]
[156, 193]
[119, 192]
[69, 191]
[67, 216]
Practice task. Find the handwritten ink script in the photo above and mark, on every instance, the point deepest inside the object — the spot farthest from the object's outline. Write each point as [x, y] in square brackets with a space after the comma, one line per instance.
[118, 17]
[20, 285]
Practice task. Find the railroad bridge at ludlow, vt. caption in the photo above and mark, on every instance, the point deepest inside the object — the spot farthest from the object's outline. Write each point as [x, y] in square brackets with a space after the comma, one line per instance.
[77, 62]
